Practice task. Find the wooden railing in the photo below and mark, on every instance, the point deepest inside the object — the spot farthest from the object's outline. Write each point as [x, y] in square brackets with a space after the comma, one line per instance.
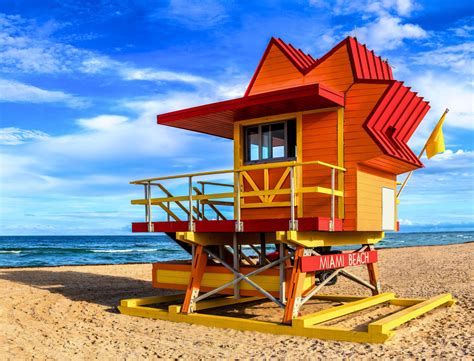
[196, 200]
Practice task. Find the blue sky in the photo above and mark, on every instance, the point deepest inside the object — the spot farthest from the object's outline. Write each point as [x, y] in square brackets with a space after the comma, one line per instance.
[82, 81]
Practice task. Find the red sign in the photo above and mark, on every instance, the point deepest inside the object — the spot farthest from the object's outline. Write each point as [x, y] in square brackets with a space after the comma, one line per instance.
[334, 261]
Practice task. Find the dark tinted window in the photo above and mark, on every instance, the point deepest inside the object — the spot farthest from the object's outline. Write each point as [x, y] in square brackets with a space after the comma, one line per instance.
[273, 141]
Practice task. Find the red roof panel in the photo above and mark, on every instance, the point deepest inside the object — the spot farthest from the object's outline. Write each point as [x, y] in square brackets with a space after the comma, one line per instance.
[394, 119]
[217, 118]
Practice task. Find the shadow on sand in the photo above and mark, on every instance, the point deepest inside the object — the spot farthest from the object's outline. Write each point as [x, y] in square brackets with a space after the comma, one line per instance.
[81, 286]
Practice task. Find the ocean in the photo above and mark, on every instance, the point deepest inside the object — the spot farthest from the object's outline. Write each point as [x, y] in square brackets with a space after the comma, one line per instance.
[35, 251]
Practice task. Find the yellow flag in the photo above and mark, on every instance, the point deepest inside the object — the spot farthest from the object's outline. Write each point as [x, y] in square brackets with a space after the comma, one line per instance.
[435, 143]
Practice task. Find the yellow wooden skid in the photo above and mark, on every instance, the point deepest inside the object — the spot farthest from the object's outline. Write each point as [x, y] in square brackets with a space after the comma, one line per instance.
[378, 332]
[324, 333]
[218, 302]
[339, 311]
[132, 302]
[388, 323]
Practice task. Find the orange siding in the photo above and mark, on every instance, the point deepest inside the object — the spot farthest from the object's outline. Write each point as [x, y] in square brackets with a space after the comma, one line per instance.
[319, 143]
[335, 71]
[358, 145]
[369, 197]
[276, 73]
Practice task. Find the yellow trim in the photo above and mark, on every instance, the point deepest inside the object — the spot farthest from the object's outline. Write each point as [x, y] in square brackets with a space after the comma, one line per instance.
[266, 182]
[312, 239]
[184, 198]
[252, 184]
[339, 311]
[222, 238]
[285, 164]
[386, 324]
[266, 204]
[340, 159]
[286, 116]
[299, 158]
[280, 183]
[219, 302]
[237, 160]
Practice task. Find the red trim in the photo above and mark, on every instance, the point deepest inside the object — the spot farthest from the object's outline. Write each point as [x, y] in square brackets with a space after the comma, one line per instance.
[250, 225]
[335, 261]
[255, 100]
[259, 66]
[364, 63]
[297, 57]
[217, 118]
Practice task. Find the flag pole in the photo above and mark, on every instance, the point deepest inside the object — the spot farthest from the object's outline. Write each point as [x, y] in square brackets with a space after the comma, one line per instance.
[419, 156]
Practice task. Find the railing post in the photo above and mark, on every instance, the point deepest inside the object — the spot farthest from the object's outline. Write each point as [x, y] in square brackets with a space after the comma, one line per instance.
[282, 274]
[238, 223]
[148, 206]
[333, 185]
[203, 205]
[236, 248]
[293, 223]
[190, 217]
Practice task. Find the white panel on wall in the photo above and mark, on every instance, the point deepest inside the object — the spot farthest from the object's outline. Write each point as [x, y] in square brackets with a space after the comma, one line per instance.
[388, 209]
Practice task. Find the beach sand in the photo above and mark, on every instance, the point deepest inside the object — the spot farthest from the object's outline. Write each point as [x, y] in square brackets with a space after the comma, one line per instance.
[70, 313]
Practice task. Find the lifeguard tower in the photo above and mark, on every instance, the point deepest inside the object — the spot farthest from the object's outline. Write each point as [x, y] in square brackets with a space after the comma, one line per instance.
[318, 146]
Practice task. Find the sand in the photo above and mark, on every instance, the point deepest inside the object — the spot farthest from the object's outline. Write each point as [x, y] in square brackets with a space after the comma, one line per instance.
[70, 313]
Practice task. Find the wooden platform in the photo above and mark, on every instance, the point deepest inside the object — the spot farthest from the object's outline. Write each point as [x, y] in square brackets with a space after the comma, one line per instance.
[250, 225]
[378, 331]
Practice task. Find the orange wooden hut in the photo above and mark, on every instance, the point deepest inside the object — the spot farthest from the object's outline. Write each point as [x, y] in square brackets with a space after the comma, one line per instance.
[318, 146]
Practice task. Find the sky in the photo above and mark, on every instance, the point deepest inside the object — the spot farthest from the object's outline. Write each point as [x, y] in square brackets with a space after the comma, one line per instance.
[81, 83]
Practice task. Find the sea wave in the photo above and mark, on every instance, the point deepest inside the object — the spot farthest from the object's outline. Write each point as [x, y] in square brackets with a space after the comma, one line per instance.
[10, 252]
[122, 250]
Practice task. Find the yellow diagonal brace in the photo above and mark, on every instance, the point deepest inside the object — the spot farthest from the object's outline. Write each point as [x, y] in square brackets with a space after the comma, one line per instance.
[338, 311]
[388, 323]
[280, 182]
[252, 184]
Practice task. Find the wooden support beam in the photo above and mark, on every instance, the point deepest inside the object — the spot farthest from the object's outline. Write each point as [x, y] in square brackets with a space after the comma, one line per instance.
[339, 311]
[197, 271]
[386, 324]
[295, 287]
[374, 275]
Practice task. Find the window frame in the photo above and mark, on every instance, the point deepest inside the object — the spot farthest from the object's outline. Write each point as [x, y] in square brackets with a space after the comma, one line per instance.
[270, 159]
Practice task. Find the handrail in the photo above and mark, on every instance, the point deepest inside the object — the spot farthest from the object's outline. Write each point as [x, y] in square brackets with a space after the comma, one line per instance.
[241, 169]
[142, 181]
[265, 195]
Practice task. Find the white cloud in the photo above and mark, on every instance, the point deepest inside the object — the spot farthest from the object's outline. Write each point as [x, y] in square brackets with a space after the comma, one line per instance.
[405, 222]
[15, 136]
[156, 75]
[443, 91]
[25, 47]
[455, 57]
[379, 7]
[13, 91]
[195, 14]
[102, 122]
[388, 32]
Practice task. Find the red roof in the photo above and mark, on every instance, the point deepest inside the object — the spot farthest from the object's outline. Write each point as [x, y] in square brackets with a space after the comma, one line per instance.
[217, 118]
[391, 124]
[394, 119]
[302, 61]
[365, 64]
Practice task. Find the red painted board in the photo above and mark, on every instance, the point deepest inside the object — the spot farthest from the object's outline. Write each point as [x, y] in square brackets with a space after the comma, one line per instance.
[334, 261]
